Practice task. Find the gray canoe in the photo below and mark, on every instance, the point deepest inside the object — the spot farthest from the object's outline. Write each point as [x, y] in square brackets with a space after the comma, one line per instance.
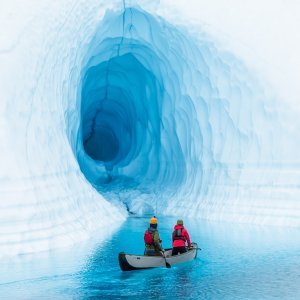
[129, 262]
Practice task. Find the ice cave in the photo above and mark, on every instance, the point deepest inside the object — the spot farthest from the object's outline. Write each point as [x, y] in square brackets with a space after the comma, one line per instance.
[112, 110]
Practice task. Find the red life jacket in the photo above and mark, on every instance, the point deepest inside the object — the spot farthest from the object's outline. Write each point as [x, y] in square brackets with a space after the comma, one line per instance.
[148, 238]
[180, 236]
[177, 235]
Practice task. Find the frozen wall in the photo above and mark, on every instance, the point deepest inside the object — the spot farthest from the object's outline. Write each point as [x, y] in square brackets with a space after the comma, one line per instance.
[159, 106]
[46, 202]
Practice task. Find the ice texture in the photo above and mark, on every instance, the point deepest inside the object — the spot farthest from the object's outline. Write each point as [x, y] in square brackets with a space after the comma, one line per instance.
[170, 123]
[112, 105]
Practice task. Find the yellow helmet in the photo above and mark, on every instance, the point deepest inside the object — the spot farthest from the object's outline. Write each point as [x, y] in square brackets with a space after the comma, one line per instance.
[179, 222]
[153, 220]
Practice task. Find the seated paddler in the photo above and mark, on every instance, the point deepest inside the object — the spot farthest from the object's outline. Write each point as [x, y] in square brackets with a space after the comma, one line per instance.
[152, 240]
[180, 238]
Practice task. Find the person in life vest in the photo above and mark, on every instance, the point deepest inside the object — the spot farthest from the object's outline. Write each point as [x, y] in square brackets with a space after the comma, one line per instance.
[152, 240]
[180, 237]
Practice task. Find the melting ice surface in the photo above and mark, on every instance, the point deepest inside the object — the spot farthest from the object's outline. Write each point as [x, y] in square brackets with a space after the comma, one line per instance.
[108, 107]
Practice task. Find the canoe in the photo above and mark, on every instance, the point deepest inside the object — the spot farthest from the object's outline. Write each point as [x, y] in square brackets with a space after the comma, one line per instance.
[129, 262]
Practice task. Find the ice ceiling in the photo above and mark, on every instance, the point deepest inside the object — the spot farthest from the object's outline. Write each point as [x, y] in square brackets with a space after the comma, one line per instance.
[125, 109]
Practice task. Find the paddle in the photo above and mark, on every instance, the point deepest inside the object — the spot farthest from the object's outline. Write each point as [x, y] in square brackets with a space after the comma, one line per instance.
[167, 264]
[193, 247]
[196, 248]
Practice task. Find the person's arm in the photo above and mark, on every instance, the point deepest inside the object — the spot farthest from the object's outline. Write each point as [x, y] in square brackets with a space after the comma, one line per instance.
[156, 240]
[186, 234]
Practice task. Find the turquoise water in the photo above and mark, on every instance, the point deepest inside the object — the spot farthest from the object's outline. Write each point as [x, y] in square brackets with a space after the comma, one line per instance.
[236, 262]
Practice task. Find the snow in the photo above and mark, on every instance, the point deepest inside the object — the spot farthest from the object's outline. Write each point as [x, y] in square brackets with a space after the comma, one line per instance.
[146, 106]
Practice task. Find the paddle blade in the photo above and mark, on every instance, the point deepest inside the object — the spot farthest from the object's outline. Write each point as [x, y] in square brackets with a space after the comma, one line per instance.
[167, 264]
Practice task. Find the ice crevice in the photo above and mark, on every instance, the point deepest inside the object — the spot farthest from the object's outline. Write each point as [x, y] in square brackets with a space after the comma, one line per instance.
[115, 107]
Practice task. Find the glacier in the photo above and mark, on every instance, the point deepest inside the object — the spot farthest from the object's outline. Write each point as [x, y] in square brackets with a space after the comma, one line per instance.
[131, 107]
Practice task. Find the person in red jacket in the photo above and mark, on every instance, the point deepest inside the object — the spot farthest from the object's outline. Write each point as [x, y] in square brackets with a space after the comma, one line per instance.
[180, 237]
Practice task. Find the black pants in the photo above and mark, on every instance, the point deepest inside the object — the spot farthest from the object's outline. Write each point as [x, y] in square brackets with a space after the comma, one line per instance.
[177, 250]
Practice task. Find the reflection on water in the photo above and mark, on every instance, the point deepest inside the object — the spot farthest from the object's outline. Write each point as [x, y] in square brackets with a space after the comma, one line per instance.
[237, 262]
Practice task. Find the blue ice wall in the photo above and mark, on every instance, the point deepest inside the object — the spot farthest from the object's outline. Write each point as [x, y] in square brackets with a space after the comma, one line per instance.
[104, 104]
[168, 118]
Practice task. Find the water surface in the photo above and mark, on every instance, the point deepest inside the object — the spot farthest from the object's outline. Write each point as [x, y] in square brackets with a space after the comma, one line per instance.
[236, 262]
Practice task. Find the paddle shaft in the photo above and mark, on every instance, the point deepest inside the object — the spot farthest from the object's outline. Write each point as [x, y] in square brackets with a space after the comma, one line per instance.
[167, 264]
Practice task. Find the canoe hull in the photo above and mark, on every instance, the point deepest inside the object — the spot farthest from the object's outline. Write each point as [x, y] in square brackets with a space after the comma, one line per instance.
[130, 262]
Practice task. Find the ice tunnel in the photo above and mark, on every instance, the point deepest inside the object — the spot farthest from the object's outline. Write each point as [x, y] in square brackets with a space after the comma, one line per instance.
[117, 107]
[163, 116]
